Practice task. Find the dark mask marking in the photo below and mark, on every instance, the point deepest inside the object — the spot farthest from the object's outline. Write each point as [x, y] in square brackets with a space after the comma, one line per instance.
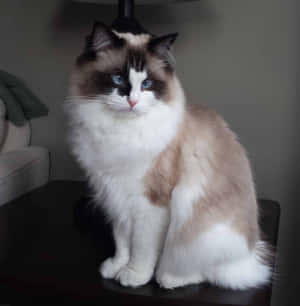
[97, 83]
[136, 60]
[159, 88]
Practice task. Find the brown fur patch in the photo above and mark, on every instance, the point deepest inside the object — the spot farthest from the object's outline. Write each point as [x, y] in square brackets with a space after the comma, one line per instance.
[164, 175]
[206, 147]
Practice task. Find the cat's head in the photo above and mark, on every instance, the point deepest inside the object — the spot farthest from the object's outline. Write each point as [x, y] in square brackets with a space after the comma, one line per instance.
[125, 72]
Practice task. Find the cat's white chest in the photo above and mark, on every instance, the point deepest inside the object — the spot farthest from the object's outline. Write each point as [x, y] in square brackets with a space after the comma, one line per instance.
[106, 144]
[116, 154]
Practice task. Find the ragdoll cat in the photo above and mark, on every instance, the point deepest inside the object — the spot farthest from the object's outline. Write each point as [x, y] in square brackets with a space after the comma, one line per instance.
[173, 179]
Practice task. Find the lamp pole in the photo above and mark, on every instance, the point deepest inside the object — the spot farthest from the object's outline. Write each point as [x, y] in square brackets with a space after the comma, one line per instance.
[126, 21]
[126, 8]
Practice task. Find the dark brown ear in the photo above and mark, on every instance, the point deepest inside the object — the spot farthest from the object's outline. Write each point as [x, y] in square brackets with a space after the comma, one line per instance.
[102, 38]
[162, 45]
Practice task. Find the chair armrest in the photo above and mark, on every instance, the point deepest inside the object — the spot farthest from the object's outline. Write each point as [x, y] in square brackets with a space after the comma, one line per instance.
[23, 170]
[12, 137]
[15, 137]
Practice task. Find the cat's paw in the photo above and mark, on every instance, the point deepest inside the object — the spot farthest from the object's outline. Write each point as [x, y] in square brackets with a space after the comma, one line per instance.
[110, 267]
[129, 277]
[169, 281]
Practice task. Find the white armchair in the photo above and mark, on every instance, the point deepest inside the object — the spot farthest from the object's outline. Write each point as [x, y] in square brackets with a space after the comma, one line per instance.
[22, 167]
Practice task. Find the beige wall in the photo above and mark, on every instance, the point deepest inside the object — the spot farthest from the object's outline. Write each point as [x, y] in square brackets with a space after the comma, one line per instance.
[239, 57]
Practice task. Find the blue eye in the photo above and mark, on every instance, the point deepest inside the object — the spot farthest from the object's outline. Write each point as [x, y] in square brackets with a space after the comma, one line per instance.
[146, 84]
[117, 79]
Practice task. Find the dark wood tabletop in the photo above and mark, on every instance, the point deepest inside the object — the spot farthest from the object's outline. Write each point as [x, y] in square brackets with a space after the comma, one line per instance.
[52, 242]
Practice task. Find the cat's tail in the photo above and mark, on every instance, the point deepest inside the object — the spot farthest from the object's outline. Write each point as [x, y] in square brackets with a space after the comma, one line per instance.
[254, 270]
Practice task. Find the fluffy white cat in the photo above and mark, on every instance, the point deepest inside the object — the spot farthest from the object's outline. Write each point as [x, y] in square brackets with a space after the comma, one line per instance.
[173, 179]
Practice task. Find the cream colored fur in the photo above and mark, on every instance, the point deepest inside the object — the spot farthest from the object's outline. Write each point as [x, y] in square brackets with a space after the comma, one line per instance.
[187, 221]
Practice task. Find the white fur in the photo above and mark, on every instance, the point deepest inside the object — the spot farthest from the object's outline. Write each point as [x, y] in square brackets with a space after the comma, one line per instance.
[117, 149]
[145, 98]
[136, 79]
[220, 256]
[111, 266]
[134, 40]
[243, 273]
[189, 189]
[180, 214]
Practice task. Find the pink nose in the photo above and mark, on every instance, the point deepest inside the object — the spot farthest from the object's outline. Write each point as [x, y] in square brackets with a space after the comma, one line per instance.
[132, 103]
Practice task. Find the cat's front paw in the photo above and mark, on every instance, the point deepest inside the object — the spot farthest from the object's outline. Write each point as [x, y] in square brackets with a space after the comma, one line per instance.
[110, 267]
[129, 277]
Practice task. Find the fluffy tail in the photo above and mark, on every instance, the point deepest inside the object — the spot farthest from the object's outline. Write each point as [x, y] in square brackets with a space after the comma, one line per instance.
[251, 271]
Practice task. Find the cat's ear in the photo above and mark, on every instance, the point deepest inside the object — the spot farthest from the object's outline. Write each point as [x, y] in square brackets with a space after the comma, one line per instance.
[102, 38]
[162, 45]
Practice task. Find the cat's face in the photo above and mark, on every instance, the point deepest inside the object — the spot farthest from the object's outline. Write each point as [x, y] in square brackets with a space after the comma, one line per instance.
[124, 72]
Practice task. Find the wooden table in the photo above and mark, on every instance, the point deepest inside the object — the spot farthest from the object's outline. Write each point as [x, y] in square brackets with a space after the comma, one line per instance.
[51, 246]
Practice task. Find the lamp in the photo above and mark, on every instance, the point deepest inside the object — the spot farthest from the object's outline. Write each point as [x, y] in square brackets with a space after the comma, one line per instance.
[125, 21]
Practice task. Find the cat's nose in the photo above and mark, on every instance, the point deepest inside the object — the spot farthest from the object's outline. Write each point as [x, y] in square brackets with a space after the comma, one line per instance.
[132, 103]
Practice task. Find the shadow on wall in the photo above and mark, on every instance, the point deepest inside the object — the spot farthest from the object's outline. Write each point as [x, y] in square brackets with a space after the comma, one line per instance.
[75, 16]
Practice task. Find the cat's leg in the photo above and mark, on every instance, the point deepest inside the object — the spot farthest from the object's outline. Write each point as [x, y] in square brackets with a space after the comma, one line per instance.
[179, 266]
[209, 255]
[148, 234]
[111, 266]
[179, 263]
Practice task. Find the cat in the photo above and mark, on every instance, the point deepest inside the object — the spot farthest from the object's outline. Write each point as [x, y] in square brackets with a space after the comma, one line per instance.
[172, 178]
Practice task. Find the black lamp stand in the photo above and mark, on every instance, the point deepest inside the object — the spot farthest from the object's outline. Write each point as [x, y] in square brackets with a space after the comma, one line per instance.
[126, 8]
[126, 21]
